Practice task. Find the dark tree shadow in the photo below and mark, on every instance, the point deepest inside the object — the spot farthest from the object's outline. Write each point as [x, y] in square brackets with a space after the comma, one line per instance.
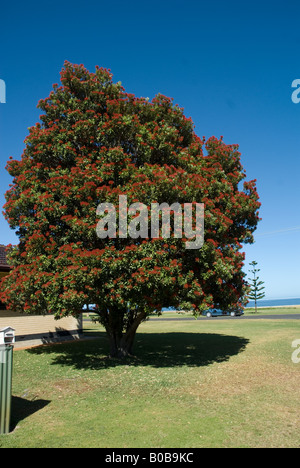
[151, 349]
[21, 409]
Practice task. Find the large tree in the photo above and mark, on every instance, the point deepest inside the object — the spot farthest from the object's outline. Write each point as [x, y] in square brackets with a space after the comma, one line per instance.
[95, 142]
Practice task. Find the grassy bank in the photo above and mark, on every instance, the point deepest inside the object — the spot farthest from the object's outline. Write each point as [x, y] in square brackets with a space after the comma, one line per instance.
[273, 310]
[193, 384]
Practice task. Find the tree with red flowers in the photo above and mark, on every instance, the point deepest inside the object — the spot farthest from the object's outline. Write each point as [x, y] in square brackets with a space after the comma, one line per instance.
[94, 143]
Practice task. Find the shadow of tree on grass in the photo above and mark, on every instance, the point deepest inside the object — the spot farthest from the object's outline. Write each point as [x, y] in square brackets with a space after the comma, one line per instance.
[151, 349]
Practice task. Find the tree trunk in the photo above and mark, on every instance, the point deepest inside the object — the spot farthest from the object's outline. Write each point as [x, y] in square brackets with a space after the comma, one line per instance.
[121, 343]
[121, 346]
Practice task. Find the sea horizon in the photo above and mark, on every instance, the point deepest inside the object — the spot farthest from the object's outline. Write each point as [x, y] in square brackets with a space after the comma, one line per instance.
[294, 301]
[275, 302]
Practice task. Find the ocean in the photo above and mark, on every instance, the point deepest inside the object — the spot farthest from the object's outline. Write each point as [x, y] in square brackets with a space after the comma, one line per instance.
[275, 302]
[263, 303]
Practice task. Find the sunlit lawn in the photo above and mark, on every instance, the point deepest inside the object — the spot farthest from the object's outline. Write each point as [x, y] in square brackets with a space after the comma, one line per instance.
[228, 383]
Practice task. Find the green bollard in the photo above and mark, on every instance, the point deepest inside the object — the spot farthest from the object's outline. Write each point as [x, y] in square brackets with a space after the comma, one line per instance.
[6, 359]
[6, 367]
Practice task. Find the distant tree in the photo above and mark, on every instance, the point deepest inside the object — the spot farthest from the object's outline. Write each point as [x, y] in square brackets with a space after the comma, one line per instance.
[94, 143]
[256, 286]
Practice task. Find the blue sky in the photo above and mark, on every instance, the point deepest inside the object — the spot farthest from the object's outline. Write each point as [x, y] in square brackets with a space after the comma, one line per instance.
[229, 64]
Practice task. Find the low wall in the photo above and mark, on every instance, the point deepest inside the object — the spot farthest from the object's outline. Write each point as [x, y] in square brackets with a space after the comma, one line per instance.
[32, 330]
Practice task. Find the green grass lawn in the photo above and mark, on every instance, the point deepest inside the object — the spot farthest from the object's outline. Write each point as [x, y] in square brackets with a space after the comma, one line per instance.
[228, 383]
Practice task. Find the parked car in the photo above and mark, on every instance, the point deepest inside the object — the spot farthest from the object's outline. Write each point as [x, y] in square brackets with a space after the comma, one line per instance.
[222, 313]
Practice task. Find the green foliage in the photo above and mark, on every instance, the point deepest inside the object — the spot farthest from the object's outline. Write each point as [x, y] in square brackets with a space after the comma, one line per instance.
[256, 286]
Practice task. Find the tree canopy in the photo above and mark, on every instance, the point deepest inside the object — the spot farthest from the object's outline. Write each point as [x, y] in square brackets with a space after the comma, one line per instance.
[93, 143]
